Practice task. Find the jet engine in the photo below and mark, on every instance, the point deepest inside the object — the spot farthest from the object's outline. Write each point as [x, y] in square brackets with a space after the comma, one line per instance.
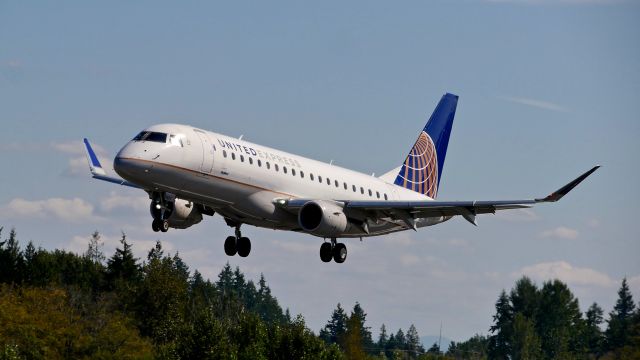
[323, 218]
[184, 214]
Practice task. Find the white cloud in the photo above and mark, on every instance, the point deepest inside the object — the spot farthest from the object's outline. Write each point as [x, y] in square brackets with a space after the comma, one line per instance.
[118, 200]
[560, 232]
[540, 104]
[71, 210]
[567, 273]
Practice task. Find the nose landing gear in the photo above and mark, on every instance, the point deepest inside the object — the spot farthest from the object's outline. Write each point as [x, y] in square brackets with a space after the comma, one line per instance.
[333, 250]
[161, 209]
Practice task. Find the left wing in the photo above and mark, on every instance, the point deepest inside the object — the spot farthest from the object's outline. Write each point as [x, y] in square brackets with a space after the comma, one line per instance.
[409, 211]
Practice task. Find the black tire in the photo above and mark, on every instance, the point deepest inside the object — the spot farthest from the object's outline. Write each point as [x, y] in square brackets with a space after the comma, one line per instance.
[325, 252]
[164, 225]
[230, 246]
[339, 253]
[244, 246]
[155, 225]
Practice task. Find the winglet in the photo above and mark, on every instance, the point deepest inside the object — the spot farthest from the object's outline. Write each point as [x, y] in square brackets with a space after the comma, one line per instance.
[558, 194]
[94, 163]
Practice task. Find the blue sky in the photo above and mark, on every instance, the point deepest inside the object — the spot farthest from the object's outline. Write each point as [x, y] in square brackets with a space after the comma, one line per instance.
[547, 89]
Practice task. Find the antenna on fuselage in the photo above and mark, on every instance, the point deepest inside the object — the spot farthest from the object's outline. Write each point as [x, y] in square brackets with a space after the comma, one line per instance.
[331, 162]
[240, 138]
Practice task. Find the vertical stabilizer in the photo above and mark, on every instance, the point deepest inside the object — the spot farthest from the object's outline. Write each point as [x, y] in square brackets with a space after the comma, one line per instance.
[422, 169]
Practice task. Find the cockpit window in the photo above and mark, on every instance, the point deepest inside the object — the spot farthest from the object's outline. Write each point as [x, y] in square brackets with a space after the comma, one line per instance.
[151, 136]
[176, 140]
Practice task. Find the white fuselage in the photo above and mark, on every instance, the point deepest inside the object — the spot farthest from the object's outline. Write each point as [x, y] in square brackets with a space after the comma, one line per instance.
[242, 181]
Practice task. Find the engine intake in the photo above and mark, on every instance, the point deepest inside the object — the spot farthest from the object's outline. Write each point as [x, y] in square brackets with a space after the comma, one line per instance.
[323, 218]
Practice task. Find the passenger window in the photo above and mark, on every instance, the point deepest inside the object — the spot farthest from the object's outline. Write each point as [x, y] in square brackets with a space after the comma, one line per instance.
[319, 178]
[361, 190]
[233, 156]
[284, 169]
[370, 193]
[293, 172]
[241, 158]
[224, 153]
[302, 174]
[311, 177]
[336, 183]
[345, 186]
[276, 167]
[250, 160]
[328, 181]
[268, 165]
[385, 197]
[378, 194]
[354, 188]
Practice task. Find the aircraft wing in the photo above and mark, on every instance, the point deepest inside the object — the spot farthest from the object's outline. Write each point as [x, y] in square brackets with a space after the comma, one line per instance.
[409, 211]
[97, 172]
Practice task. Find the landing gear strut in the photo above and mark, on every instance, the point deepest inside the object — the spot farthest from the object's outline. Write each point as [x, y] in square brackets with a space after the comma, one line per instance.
[333, 250]
[237, 244]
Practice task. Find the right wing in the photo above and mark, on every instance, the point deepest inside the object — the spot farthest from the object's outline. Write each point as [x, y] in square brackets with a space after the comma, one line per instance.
[97, 172]
[409, 211]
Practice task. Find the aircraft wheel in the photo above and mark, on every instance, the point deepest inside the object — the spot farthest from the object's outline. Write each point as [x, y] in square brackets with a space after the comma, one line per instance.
[339, 253]
[230, 246]
[164, 225]
[325, 252]
[155, 225]
[244, 246]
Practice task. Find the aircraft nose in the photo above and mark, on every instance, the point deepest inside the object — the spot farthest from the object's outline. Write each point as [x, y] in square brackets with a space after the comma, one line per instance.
[128, 164]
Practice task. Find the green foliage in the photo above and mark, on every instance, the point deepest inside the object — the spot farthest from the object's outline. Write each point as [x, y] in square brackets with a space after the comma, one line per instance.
[56, 304]
[474, 348]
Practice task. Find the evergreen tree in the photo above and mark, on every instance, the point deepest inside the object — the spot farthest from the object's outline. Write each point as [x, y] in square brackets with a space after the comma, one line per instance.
[11, 261]
[620, 319]
[334, 331]
[414, 346]
[474, 348]
[559, 322]
[502, 329]
[123, 265]
[401, 340]
[94, 249]
[526, 343]
[593, 336]
[352, 341]
[365, 331]
[382, 338]
[525, 297]
[434, 349]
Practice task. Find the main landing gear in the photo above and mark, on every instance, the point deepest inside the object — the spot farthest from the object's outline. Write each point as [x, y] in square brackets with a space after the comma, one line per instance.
[237, 244]
[333, 250]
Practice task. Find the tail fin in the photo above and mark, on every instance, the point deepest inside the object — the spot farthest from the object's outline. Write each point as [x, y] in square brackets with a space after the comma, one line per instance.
[422, 169]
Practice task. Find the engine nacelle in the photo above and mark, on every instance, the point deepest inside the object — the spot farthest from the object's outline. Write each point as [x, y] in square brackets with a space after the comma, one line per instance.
[184, 214]
[323, 218]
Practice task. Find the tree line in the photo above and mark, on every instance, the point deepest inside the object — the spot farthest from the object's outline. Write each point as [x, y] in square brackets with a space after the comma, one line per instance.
[58, 304]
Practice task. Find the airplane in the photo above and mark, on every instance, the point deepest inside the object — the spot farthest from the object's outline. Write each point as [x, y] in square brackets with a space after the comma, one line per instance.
[189, 172]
